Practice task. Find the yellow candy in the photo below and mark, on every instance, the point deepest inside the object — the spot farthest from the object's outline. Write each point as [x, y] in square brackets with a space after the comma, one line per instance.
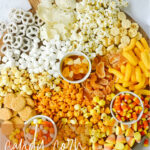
[145, 110]
[32, 123]
[148, 135]
[130, 111]
[102, 103]
[27, 130]
[15, 141]
[143, 119]
[11, 137]
[46, 128]
[17, 131]
[40, 121]
[96, 99]
[129, 115]
[13, 133]
[112, 95]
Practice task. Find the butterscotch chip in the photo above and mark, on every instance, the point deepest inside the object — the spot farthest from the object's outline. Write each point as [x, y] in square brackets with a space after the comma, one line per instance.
[8, 99]
[5, 114]
[30, 102]
[18, 103]
[18, 122]
[7, 127]
[26, 113]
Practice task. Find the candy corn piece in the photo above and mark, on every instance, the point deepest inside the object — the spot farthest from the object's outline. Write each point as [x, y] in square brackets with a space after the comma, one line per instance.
[124, 127]
[108, 146]
[130, 141]
[121, 139]
[137, 137]
[146, 142]
[127, 147]
[96, 146]
[129, 132]
[118, 130]
[119, 146]
[111, 139]
[134, 126]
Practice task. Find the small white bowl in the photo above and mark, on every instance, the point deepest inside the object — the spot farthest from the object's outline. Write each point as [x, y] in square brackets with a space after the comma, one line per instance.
[78, 54]
[130, 122]
[46, 118]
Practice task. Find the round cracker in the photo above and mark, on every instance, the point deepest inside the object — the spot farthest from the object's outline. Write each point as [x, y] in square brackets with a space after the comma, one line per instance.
[30, 102]
[18, 122]
[7, 127]
[18, 103]
[5, 114]
[8, 99]
[26, 113]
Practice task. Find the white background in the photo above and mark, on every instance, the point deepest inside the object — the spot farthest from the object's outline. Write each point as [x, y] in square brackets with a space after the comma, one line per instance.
[138, 9]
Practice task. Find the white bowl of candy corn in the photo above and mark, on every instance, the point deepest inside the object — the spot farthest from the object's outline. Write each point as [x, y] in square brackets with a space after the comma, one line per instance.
[126, 107]
[40, 130]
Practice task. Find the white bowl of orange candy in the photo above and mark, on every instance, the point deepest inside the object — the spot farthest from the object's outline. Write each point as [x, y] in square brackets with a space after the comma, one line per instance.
[75, 67]
[40, 130]
[127, 107]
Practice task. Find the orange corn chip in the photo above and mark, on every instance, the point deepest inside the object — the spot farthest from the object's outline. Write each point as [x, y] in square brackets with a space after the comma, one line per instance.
[103, 82]
[100, 70]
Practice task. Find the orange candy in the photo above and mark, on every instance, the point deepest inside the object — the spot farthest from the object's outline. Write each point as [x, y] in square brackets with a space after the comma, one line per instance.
[75, 67]
[126, 107]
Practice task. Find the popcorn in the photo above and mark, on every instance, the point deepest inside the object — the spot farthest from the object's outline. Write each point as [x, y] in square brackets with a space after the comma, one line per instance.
[114, 31]
[125, 40]
[121, 16]
[123, 31]
[126, 23]
[132, 32]
[138, 36]
[97, 24]
[117, 40]
[20, 81]
[134, 26]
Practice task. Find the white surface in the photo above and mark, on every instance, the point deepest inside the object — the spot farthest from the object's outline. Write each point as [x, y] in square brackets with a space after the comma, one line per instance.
[138, 9]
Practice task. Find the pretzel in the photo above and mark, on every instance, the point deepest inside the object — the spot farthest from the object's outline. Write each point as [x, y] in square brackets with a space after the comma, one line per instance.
[8, 39]
[16, 57]
[28, 18]
[35, 44]
[18, 40]
[4, 49]
[8, 53]
[26, 45]
[12, 28]
[22, 30]
[16, 15]
[38, 21]
[2, 26]
[32, 32]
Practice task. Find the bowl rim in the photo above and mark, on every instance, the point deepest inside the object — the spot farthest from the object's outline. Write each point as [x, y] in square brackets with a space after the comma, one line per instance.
[130, 122]
[47, 118]
[79, 54]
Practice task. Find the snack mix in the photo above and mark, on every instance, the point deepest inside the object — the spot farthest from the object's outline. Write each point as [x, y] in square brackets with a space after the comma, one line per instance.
[33, 45]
